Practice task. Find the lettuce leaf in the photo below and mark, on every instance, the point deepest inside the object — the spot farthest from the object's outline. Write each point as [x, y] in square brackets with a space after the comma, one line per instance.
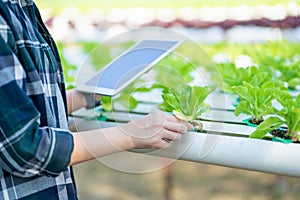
[256, 96]
[266, 126]
[186, 102]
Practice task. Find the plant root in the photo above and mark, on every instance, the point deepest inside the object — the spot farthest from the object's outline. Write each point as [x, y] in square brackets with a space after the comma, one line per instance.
[255, 121]
[198, 125]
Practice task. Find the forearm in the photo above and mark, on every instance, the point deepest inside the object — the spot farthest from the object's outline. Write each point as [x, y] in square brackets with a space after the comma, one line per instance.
[97, 143]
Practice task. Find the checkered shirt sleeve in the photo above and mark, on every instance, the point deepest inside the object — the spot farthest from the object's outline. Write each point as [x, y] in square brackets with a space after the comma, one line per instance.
[34, 139]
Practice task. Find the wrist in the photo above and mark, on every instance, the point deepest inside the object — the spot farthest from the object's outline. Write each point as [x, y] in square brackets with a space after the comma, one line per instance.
[90, 100]
[127, 139]
[75, 100]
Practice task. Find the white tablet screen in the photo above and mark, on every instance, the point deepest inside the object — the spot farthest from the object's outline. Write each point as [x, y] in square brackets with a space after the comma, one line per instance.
[131, 63]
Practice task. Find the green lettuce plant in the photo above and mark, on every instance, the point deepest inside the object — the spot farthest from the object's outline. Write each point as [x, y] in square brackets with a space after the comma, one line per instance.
[228, 75]
[186, 102]
[290, 73]
[289, 115]
[256, 97]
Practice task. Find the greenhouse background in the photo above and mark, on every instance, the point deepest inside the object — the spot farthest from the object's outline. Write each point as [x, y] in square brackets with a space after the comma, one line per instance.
[241, 32]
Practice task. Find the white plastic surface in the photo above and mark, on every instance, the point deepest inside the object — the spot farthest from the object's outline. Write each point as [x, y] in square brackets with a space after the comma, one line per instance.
[237, 152]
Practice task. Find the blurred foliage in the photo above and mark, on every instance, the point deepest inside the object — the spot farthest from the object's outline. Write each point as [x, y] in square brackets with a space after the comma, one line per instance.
[174, 70]
[263, 53]
[101, 54]
[282, 57]
[68, 68]
[173, 4]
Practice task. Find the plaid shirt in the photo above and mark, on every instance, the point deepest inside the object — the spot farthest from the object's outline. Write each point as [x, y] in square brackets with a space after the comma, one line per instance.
[35, 144]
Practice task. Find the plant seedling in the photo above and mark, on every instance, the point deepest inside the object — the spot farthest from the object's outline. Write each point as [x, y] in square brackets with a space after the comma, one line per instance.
[186, 102]
[229, 75]
[256, 97]
[289, 114]
[290, 74]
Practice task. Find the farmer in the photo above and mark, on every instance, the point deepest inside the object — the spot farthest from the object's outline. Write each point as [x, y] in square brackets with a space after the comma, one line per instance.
[36, 147]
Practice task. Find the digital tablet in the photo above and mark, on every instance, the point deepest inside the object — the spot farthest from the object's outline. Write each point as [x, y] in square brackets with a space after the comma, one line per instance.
[127, 67]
